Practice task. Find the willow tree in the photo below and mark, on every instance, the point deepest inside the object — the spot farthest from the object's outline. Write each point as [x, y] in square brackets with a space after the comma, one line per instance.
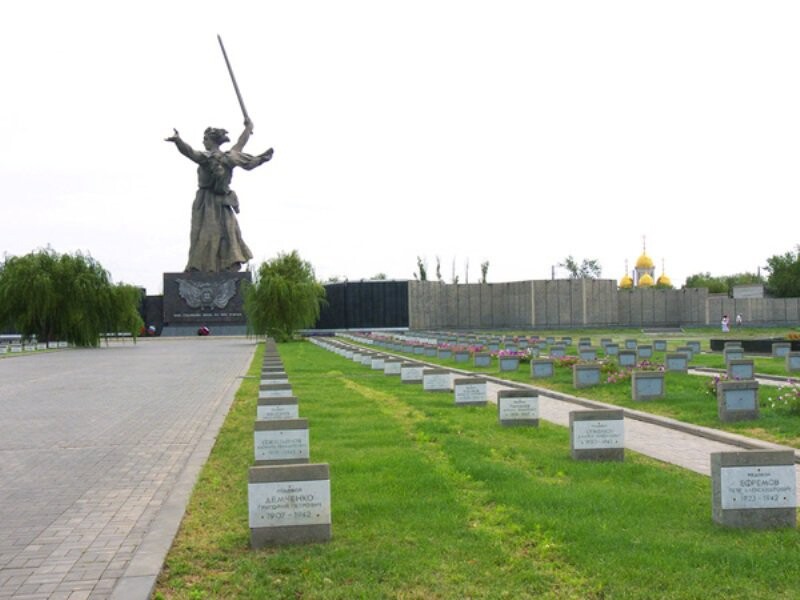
[66, 297]
[284, 297]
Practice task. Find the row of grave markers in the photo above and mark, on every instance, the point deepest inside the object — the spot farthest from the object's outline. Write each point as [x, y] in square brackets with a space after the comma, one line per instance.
[737, 398]
[289, 499]
[17, 346]
[750, 489]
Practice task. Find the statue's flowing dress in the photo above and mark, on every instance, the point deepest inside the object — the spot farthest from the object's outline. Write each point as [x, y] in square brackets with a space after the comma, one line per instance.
[216, 241]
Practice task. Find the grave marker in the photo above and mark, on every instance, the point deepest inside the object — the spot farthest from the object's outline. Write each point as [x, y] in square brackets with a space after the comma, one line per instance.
[277, 409]
[793, 362]
[470, 391]
[391, 366]
[676, 362]
[647, 385]
[436, 380]
[482, 359]
[737, 400]
[627, 358]
[781, 349]
[518, 408]
[281, 442]
[542, 367]
[289, 504]
[754, 489]
[411, 373]
[585, 375]
[597, 435]
[274, 390]
[740, 369]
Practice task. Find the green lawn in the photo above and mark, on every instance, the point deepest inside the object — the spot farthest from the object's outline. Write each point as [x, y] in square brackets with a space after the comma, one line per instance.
[434, 501]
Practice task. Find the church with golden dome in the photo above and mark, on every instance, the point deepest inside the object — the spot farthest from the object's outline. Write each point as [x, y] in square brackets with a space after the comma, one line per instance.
[643, 274]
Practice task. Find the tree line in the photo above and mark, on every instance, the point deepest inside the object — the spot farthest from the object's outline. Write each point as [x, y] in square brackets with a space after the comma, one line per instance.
[65, 297]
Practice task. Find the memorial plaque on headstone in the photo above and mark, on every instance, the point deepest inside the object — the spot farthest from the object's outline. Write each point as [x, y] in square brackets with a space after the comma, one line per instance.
[518, 408]
[754, 489]
[272, 409]
[585, 375]
[542, 367]
[378, 362]
[793, 362]
[274, 378]
[436, 380]
[469, 391]
[733, 354]
[462, 356]
[630, 344]
[647, 385]
[281, 442]
[289, 504]
[411, 373]
[740, 369]
[676, 362]
[597, 435]
[660, 345]
[392, 366]
[627, 358]
[275, 390]
[558, 351]
[587, 353]
[737, 400]
[644, 352]
[482, 359]
[508, 363]
[781, 349]
[611, 349]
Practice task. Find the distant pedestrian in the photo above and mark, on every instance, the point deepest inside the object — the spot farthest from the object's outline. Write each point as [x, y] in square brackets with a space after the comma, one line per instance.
[725, 324]
[738, 320]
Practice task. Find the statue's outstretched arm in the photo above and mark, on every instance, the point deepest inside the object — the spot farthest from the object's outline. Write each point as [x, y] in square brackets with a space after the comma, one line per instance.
[257, 160]
[184, 148]
[248, 130]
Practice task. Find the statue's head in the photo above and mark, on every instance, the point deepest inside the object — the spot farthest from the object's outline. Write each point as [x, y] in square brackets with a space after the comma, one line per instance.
[214, 136]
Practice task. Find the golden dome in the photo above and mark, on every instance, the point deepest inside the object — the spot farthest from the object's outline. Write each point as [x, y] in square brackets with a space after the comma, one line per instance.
[645, 280]
[664, 280]
[626, 282]
[644, 262]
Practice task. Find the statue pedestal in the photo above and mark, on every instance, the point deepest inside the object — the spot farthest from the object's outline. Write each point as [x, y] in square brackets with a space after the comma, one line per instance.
[193, 300]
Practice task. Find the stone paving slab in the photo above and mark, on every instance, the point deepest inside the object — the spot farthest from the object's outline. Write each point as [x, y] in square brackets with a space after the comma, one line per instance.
[99, 451]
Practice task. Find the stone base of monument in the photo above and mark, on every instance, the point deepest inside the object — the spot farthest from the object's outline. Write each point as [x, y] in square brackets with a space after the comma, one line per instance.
[597, 435]
[754, 489]
[289, 504]
[214, 300]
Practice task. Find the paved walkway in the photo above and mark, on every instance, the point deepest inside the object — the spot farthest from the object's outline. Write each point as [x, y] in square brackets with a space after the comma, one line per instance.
[99, 451]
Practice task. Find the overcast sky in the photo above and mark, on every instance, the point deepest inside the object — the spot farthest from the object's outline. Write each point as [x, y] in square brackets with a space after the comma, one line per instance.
[518, 132]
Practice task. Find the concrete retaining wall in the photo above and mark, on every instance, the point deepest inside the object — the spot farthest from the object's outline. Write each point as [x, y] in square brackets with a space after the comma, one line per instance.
[565, 303]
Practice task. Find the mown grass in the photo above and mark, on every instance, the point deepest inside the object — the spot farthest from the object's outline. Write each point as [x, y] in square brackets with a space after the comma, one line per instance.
[434, 501]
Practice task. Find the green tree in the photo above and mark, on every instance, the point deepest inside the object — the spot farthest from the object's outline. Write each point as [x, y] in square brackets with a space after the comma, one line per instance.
[587, 269]
[721, 284]
[422, 267]
[784, 274]
[484, 270]
[66, 297]
[284, 297]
